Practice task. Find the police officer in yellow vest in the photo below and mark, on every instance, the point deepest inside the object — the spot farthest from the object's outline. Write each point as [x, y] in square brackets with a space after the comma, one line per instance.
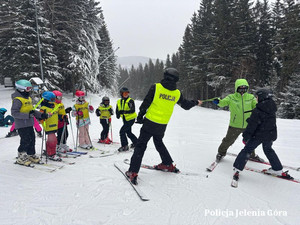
[157, 108]
[23, 113]
[126, 110]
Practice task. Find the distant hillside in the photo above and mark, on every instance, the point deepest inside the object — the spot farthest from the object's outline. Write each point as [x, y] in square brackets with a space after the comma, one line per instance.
[128, 61]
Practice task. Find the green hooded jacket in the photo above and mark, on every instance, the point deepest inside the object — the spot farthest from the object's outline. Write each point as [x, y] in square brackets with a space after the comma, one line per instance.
[239, 105]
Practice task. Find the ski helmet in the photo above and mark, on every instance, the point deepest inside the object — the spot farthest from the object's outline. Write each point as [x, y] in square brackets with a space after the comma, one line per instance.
[49, 96]
[124, 90]
[263, 94]
[171, 74]
[58, 95]
[3, 110]
[79, 93]
[23, 85]
[105, 98]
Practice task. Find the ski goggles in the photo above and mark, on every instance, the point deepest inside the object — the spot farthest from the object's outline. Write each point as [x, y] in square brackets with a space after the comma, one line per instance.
[23, 88]
[242, 89]
[81, 98]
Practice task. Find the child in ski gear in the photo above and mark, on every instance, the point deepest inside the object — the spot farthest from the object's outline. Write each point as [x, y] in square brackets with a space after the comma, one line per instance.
[12, 132]
[105, 111]
[126, 110]
[23, 113]
[50, 125]
[81, 111]
[155, 113]
[7, 120]
[62, 129]
[261, 129]
[240, 104]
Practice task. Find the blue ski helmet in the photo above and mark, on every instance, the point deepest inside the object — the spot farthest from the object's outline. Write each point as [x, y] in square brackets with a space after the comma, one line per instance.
[3, 110]
[48, 95]
[23, 85]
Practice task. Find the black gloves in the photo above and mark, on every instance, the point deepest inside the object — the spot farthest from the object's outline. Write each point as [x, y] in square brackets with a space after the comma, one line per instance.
[68, 110]
[44, 116]
[31, 112]
[121, 112]
[98, 113]
[140, 119]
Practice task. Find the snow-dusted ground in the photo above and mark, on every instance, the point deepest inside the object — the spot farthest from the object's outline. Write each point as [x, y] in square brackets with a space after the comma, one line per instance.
[94, 192]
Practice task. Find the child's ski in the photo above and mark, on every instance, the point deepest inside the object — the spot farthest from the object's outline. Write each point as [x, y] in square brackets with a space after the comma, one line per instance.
[139, 192]
[266, 163]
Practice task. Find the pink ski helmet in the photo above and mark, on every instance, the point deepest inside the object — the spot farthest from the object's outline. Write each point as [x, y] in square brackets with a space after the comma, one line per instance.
[58, 95]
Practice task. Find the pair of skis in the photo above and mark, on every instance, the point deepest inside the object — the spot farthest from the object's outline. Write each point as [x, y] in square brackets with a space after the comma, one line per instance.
[215, 163]
[234, 182]
[43, 166]
[139, 192]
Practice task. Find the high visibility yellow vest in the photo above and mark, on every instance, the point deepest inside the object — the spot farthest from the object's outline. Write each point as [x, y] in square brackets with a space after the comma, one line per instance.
[161, 108]
[50, 124]
[105, 114]
[84, 108]
[61, 109]
[26, 104]
[126, 107]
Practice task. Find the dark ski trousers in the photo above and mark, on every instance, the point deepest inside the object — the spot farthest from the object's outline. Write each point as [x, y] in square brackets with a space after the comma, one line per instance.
[231, 136]
[59, 135]
[27, 142]
[105, 125]
[126, 130]
[252, 144]
[141, 146]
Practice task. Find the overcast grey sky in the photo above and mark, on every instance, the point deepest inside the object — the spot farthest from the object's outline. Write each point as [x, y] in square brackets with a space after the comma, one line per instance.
[151, 28]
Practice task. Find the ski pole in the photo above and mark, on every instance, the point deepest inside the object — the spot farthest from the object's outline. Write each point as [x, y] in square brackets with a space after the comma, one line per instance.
[43, 144]
[111, 135]
[210, 100]
[77, 129]
[62, 135]
[72, 131]
[37, 104]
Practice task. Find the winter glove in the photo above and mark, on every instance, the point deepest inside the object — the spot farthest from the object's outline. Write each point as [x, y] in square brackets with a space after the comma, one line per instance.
[68, 110]
[109, 120]
[80, 113]
[44, 116]
[121, 112]
[31, 112]
[91, 108]
[244, 141]
[98, 113]
[140, 119]
[216, 101]
[65, 119]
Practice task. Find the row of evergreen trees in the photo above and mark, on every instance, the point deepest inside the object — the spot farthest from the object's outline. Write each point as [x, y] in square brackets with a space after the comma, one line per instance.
[232, 39]
[75, 45]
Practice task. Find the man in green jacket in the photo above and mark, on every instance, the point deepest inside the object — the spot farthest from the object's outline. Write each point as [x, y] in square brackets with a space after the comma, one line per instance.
[240, 104]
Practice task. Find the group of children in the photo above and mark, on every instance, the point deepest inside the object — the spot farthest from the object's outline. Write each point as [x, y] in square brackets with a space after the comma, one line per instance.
[54, 120]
